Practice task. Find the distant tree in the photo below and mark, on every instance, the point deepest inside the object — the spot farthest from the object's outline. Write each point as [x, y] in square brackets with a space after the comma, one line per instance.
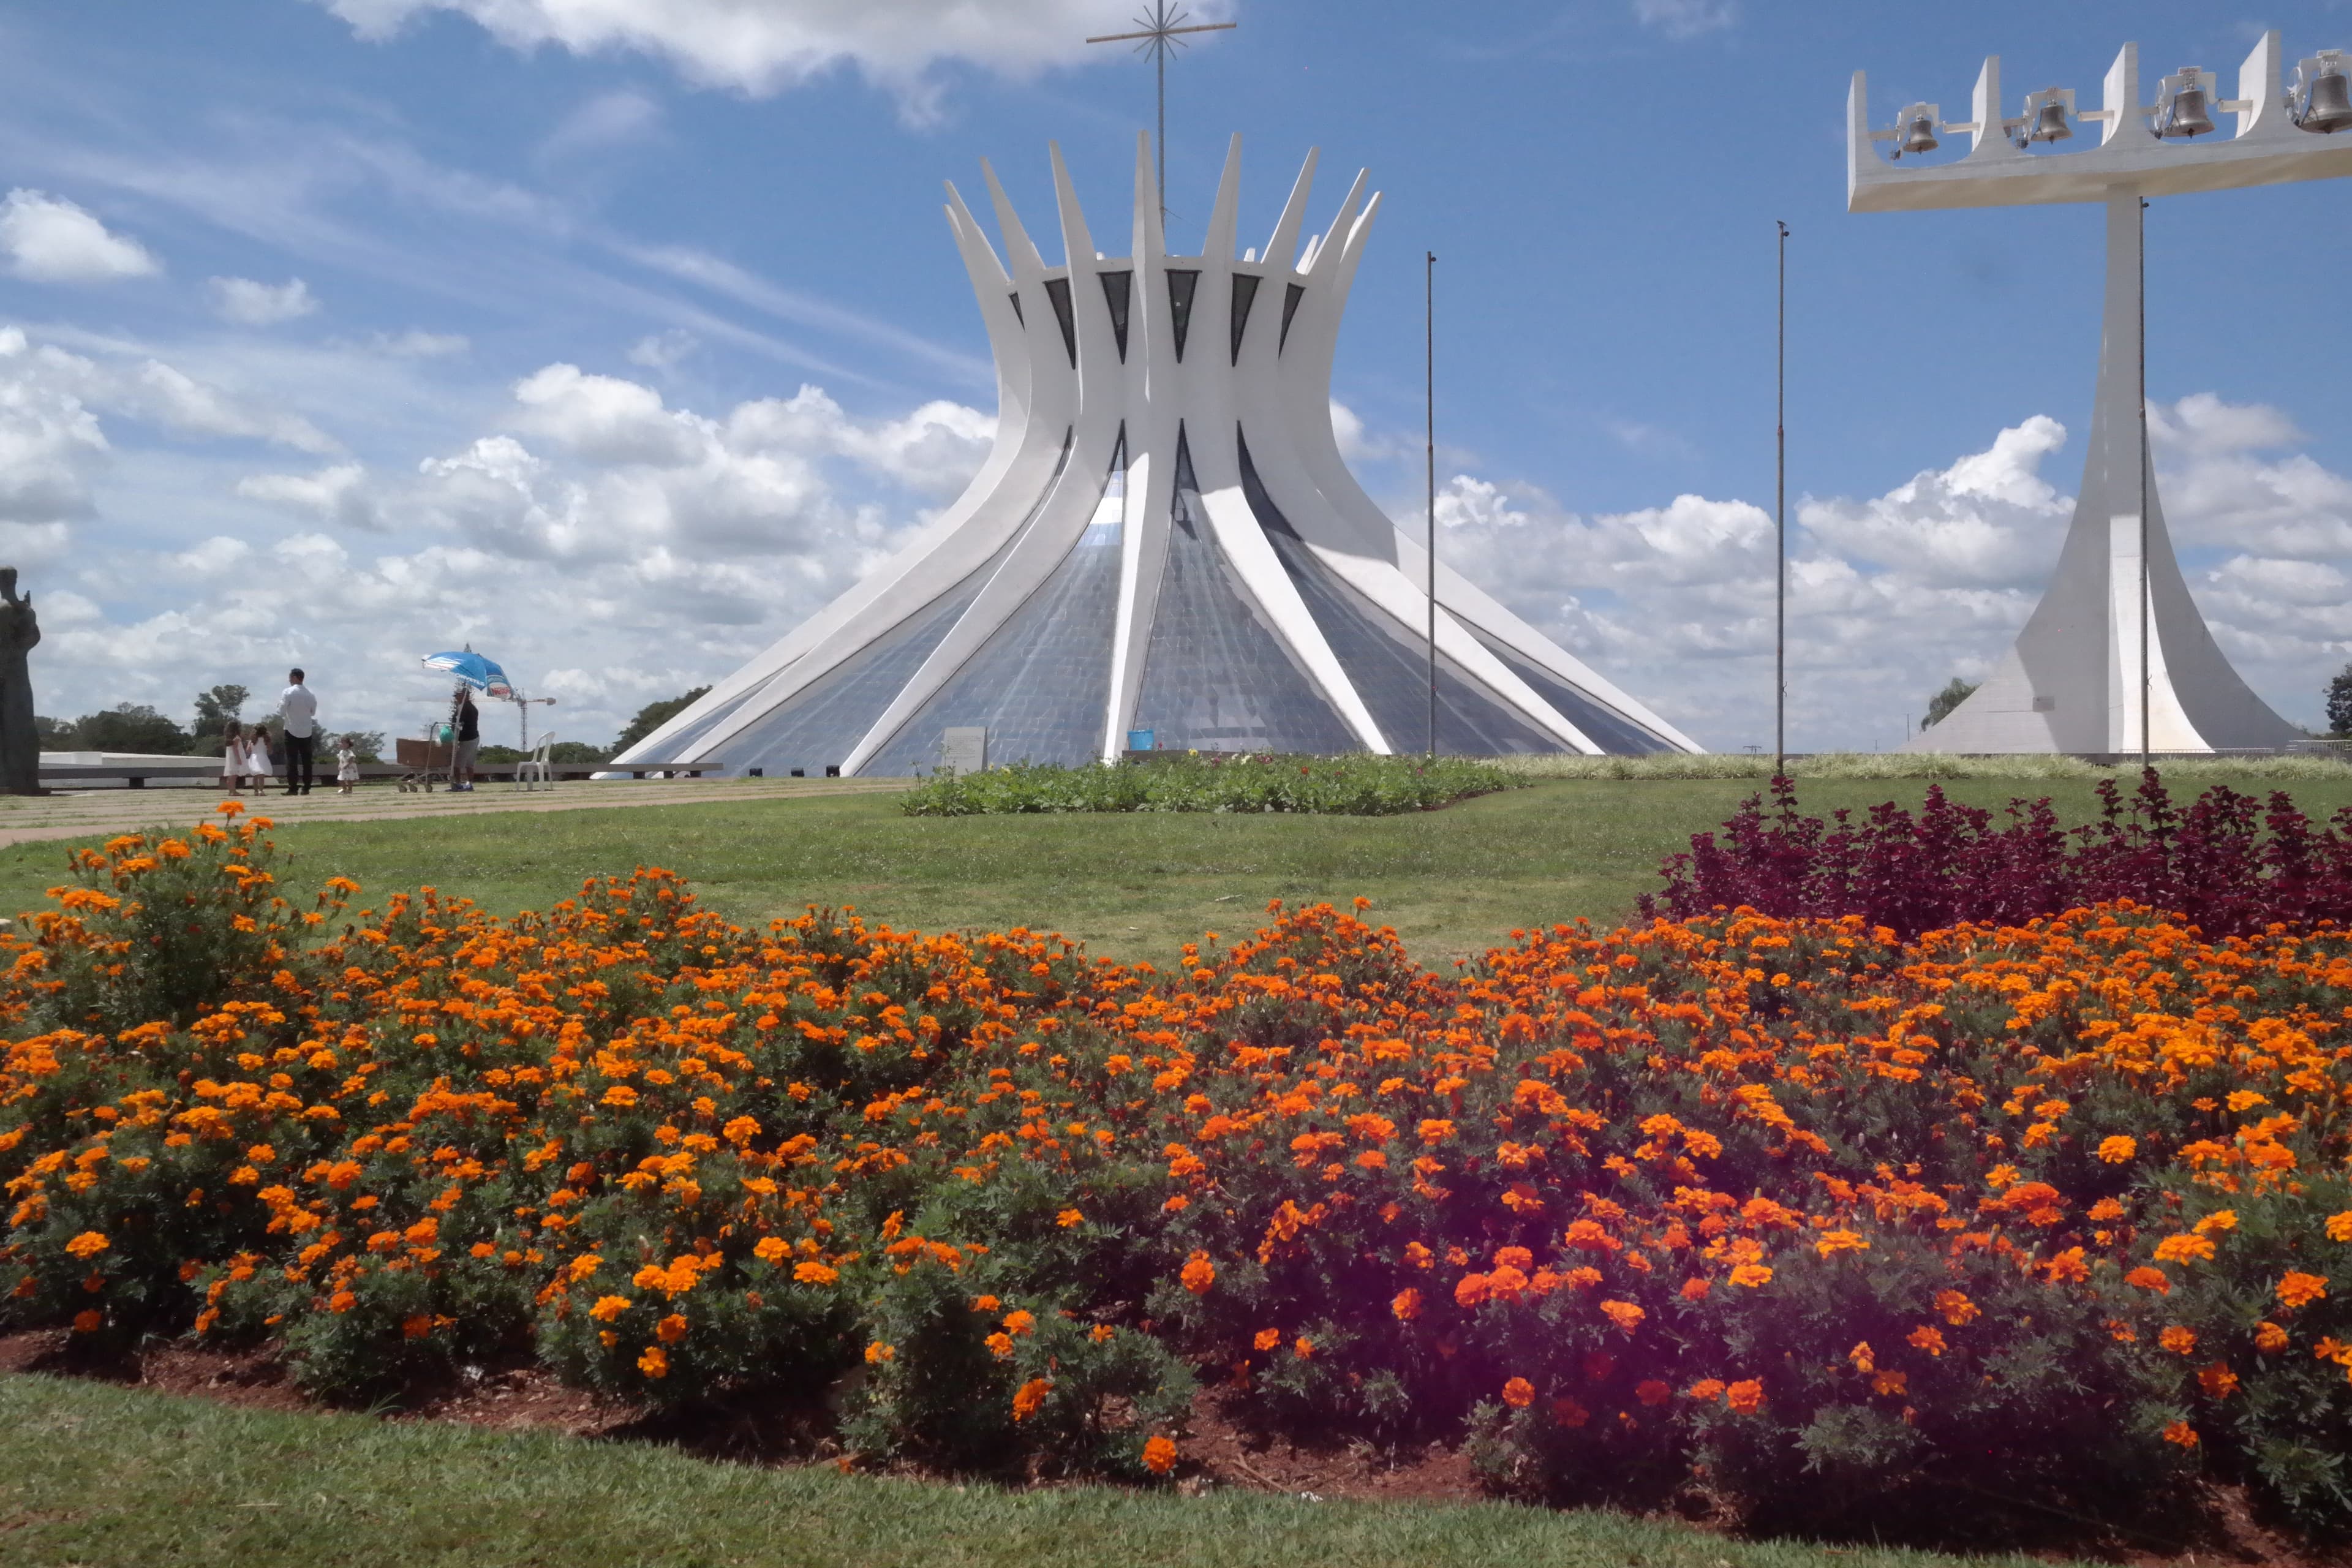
[2339, 703]
[653, 716]
[131, 727]
[214, 709]
[56, 734]
[577, 752]
[1940, 706]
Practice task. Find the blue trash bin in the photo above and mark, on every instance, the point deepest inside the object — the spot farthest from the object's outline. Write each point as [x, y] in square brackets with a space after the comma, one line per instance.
[1139, 740]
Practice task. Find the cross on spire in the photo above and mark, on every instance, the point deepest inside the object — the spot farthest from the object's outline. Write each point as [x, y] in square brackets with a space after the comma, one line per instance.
[1162, 27]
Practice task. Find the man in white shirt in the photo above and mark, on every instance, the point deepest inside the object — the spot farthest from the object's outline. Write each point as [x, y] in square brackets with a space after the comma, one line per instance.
[298, 706]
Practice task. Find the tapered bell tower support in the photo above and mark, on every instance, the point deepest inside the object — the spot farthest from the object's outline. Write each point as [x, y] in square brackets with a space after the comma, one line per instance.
[2116, 657]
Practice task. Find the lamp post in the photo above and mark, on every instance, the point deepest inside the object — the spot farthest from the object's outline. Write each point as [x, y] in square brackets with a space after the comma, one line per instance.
[1780, 526]
[2078, 679]
[1429, 365]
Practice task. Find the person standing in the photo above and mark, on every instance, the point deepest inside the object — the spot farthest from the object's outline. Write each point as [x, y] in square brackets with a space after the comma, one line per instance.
[470, 741]
[298, 706]
[20, 741]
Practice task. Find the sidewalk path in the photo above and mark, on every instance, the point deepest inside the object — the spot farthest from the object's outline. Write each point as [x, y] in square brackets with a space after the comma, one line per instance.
[95, 811]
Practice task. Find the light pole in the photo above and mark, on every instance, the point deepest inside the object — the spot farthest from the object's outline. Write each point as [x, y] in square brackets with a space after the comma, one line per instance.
[2078, 678]
[1429, 367]
[1780, 527]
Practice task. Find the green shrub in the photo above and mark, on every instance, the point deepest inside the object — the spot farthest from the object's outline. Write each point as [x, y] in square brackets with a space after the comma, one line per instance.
[1358, 784]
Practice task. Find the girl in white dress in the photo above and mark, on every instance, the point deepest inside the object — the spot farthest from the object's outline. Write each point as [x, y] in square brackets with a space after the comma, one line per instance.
[233, 757]
[258, 765]
[347, 766]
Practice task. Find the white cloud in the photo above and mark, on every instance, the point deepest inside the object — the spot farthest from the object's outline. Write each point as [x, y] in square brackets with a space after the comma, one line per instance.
[252, 304]
[417, 344]
[1686, 18]
[338, 493]
[608, 120]
[50, 443]
[762, 46]
[48, 239]
[182, 403]
[664, 351]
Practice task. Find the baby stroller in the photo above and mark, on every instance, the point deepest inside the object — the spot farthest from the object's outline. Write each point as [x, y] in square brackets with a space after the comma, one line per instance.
[424, 761]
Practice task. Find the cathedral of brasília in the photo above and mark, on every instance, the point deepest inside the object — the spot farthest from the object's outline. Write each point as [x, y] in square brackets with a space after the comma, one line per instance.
[1164, 548]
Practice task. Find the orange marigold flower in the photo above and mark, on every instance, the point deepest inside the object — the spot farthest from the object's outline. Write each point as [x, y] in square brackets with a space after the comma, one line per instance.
[1435, 1131]
[1624, 1314]
[1030, 1397]
[341, 1301]
[1302, 1348]
[2270, 1338]
[1471, 1290]
[808, 1271]
[2216, 1381]
[608, 1307]
[87, 1244]
[1745, 1398]
[1159, 1454]
[2296, 1288]
[2119, 1150]
[417, 1327]
[1865, 1359]
[1000, 1345]
[1754, 1275]
[1020, 1322]
[2177, 1340]
[2219, 1219]
[671, 1329]
[1650, 1391]
[1707, 1388]
[1696, 1290]
[1267, 1339]
[2149, 1279]
[1406, 1305]
[771, 1249]
[1957, 1310]
[655, 1363]
[1830, 1243]
[1928, 1337]
[2183, 1248]
[1069, 1217]
[1519, 1394]
[1570, 1412]
[2339, 1226]
[1198, 1273]
[88, 1320]
[1889, 1382]
[2182, 1433]
[878, 1353]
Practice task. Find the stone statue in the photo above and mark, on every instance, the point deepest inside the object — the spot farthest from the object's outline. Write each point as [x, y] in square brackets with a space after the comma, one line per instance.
[20, 742]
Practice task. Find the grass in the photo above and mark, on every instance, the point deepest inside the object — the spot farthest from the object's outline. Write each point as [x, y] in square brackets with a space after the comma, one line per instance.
[94, 1474]
[1130, 886]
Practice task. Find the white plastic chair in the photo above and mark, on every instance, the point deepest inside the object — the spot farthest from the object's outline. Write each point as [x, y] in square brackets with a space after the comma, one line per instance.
[531, 773]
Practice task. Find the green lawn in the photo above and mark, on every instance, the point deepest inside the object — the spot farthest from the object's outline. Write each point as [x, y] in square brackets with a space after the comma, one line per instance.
[92, 1474]
[1452, 881]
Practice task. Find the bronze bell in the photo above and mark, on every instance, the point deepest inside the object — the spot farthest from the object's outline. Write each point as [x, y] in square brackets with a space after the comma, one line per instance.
[2327, 104]
[2050, 122]
[2187, 113]
[1920, 134]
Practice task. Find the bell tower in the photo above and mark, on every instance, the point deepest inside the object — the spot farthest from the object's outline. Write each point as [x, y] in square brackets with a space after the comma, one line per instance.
[2115, 659]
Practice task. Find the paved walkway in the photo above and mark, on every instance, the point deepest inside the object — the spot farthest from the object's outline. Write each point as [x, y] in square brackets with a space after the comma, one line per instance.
[88, 813]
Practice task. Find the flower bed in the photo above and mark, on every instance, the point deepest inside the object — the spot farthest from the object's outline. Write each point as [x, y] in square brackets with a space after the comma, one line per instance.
[1836, 1224]
[1356, 784]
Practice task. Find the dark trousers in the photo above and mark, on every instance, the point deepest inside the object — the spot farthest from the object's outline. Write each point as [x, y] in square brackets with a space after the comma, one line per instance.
[300, 752]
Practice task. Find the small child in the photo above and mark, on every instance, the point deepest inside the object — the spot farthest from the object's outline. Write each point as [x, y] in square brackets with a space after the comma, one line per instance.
[347, 766]
[258, 765]
[233, 757]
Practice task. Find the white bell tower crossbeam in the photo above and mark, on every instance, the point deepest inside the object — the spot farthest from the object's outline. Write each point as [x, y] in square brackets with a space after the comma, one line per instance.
[2116, 657]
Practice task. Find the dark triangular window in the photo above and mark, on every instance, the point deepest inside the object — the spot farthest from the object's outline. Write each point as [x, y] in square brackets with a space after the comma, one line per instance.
[1181, 285]
[1116, 288]
[1057, 289]
[1245, 291]
[1017, 313]
[1291, 296]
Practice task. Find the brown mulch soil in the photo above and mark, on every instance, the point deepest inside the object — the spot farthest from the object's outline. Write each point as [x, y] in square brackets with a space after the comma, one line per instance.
[1220, 1451]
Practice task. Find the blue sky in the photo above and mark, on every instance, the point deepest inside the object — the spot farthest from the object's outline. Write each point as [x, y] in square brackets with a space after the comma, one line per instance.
[627, 332]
